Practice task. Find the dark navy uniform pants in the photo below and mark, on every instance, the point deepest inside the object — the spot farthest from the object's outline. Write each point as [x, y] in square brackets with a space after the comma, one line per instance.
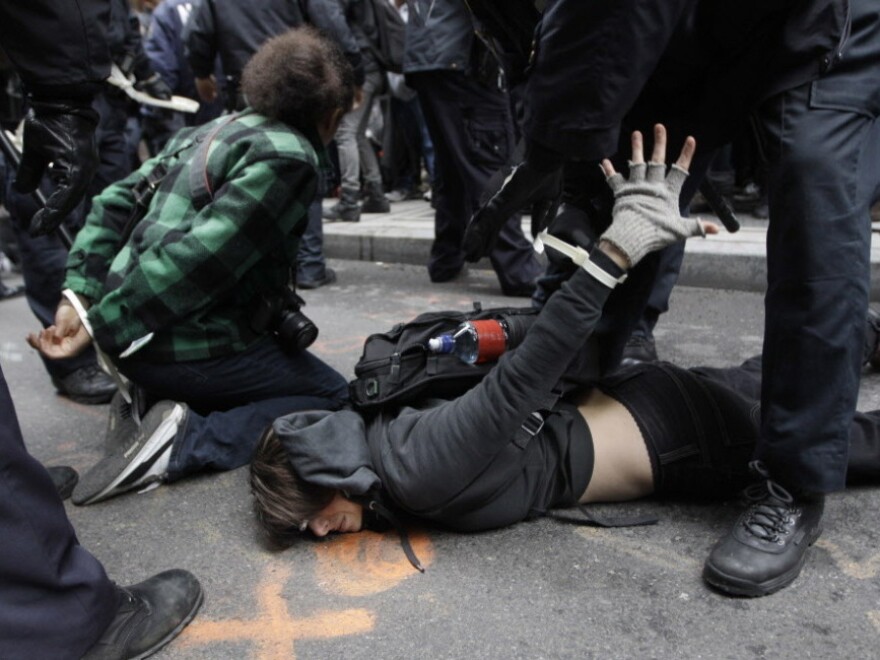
[55, 599]
[472, 131]
[823, 146]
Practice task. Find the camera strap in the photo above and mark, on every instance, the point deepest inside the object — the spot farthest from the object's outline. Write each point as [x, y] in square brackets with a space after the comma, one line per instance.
[200, 187]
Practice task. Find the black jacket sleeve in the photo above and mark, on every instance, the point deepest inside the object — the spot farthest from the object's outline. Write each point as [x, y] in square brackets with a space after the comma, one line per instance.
[430, 456]
[592, 60]
[59, 48]
[201, 39]
[330, 17]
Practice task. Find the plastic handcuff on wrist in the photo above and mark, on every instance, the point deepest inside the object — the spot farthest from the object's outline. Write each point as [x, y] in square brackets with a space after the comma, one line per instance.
[579, 256]
[103, 361]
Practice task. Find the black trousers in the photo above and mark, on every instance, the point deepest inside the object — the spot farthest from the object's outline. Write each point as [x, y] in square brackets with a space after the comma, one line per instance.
[472, 130]
[701, 426]
[823, 147]
[56, 599]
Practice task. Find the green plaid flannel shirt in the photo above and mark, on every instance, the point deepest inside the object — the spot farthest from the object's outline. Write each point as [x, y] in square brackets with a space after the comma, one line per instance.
[192, 276]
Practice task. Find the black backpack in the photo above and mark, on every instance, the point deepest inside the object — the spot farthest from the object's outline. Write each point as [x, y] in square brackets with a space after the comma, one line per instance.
[396, 367]
[391, 35]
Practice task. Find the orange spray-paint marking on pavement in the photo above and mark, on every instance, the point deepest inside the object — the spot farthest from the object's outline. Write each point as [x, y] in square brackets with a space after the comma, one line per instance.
[273, 630]
[368, 563]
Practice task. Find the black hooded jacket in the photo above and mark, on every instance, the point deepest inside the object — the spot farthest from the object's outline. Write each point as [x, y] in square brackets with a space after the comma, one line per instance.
[235, 30]
[461, 462]
[72, 61]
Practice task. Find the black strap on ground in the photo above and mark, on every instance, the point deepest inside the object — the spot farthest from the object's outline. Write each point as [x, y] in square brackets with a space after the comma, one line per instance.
[590, 518]
[377, 508]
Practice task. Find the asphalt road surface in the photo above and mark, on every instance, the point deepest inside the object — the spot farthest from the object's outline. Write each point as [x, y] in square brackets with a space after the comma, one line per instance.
[539, 589]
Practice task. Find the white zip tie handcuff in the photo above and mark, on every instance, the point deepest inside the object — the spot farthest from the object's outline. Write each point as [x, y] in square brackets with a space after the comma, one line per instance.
[579, 256]
[103, 361]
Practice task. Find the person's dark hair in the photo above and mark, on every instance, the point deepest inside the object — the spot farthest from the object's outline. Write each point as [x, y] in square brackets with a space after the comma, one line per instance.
[299, 78]
[282, 501]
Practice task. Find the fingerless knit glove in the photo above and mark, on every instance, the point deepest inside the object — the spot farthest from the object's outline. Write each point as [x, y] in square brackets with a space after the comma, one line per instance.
[646, 216]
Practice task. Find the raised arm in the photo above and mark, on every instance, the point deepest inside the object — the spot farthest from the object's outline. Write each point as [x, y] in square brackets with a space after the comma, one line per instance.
[432, 455]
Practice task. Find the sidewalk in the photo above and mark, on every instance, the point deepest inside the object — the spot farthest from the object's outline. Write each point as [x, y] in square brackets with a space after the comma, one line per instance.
[726, 261]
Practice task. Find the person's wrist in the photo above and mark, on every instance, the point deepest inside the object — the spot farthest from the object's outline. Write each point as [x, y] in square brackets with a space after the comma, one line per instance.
[614, 253]
[84, 301]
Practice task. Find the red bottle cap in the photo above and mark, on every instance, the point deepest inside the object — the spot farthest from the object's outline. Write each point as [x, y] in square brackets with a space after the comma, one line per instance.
[491, 340]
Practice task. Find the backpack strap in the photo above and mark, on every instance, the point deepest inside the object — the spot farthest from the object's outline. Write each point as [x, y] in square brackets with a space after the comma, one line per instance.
[200, 187]
[143, 191]
[535, 421]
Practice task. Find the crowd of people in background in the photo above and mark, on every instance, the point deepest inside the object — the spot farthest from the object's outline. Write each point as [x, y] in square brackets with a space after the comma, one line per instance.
[448, 89]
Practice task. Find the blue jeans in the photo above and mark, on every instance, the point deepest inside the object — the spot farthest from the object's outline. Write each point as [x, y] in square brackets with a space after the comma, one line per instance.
[232, 399]
[310, 263]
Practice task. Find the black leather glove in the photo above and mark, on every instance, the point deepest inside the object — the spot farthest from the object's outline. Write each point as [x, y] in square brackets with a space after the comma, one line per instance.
[526, 185]
[155, 87]
[59, 135]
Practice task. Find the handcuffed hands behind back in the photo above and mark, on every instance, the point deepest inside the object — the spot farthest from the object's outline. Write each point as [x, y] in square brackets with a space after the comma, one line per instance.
[66, 338]
[646, 213]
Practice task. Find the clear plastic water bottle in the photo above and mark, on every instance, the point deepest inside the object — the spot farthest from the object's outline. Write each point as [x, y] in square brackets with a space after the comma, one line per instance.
[473, 342]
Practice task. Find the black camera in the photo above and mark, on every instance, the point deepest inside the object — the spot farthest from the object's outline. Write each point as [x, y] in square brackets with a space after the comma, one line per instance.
[282, 315]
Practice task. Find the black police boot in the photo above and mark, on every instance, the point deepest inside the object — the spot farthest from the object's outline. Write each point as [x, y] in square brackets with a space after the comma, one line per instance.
[64, 478]
[87, 385]
[767, 547]
[148, 616]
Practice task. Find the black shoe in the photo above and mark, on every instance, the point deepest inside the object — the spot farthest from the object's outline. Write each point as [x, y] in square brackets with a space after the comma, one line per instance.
[140, 461]
[346, 209]
[342, 213]
[87, 385]
[767, 547]
[64, 478]
[374, 200]
[376, 205]
[149, 615]
[639, 349]
[438, 274]
[329, 278]
[522, 291]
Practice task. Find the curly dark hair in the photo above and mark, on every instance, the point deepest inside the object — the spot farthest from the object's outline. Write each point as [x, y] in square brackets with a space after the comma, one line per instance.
[299, 77]
[282, 501]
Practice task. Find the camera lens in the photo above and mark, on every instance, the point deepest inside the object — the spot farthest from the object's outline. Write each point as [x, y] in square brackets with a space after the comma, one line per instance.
[296, 330]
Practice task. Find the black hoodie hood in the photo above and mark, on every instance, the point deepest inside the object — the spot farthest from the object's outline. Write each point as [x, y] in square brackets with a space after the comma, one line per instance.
[329, 449]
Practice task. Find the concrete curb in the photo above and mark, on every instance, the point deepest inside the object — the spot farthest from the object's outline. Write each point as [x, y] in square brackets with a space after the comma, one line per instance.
[726, 261]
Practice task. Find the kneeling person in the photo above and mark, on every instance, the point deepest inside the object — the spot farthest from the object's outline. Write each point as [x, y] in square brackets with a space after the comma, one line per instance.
[175, 300]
